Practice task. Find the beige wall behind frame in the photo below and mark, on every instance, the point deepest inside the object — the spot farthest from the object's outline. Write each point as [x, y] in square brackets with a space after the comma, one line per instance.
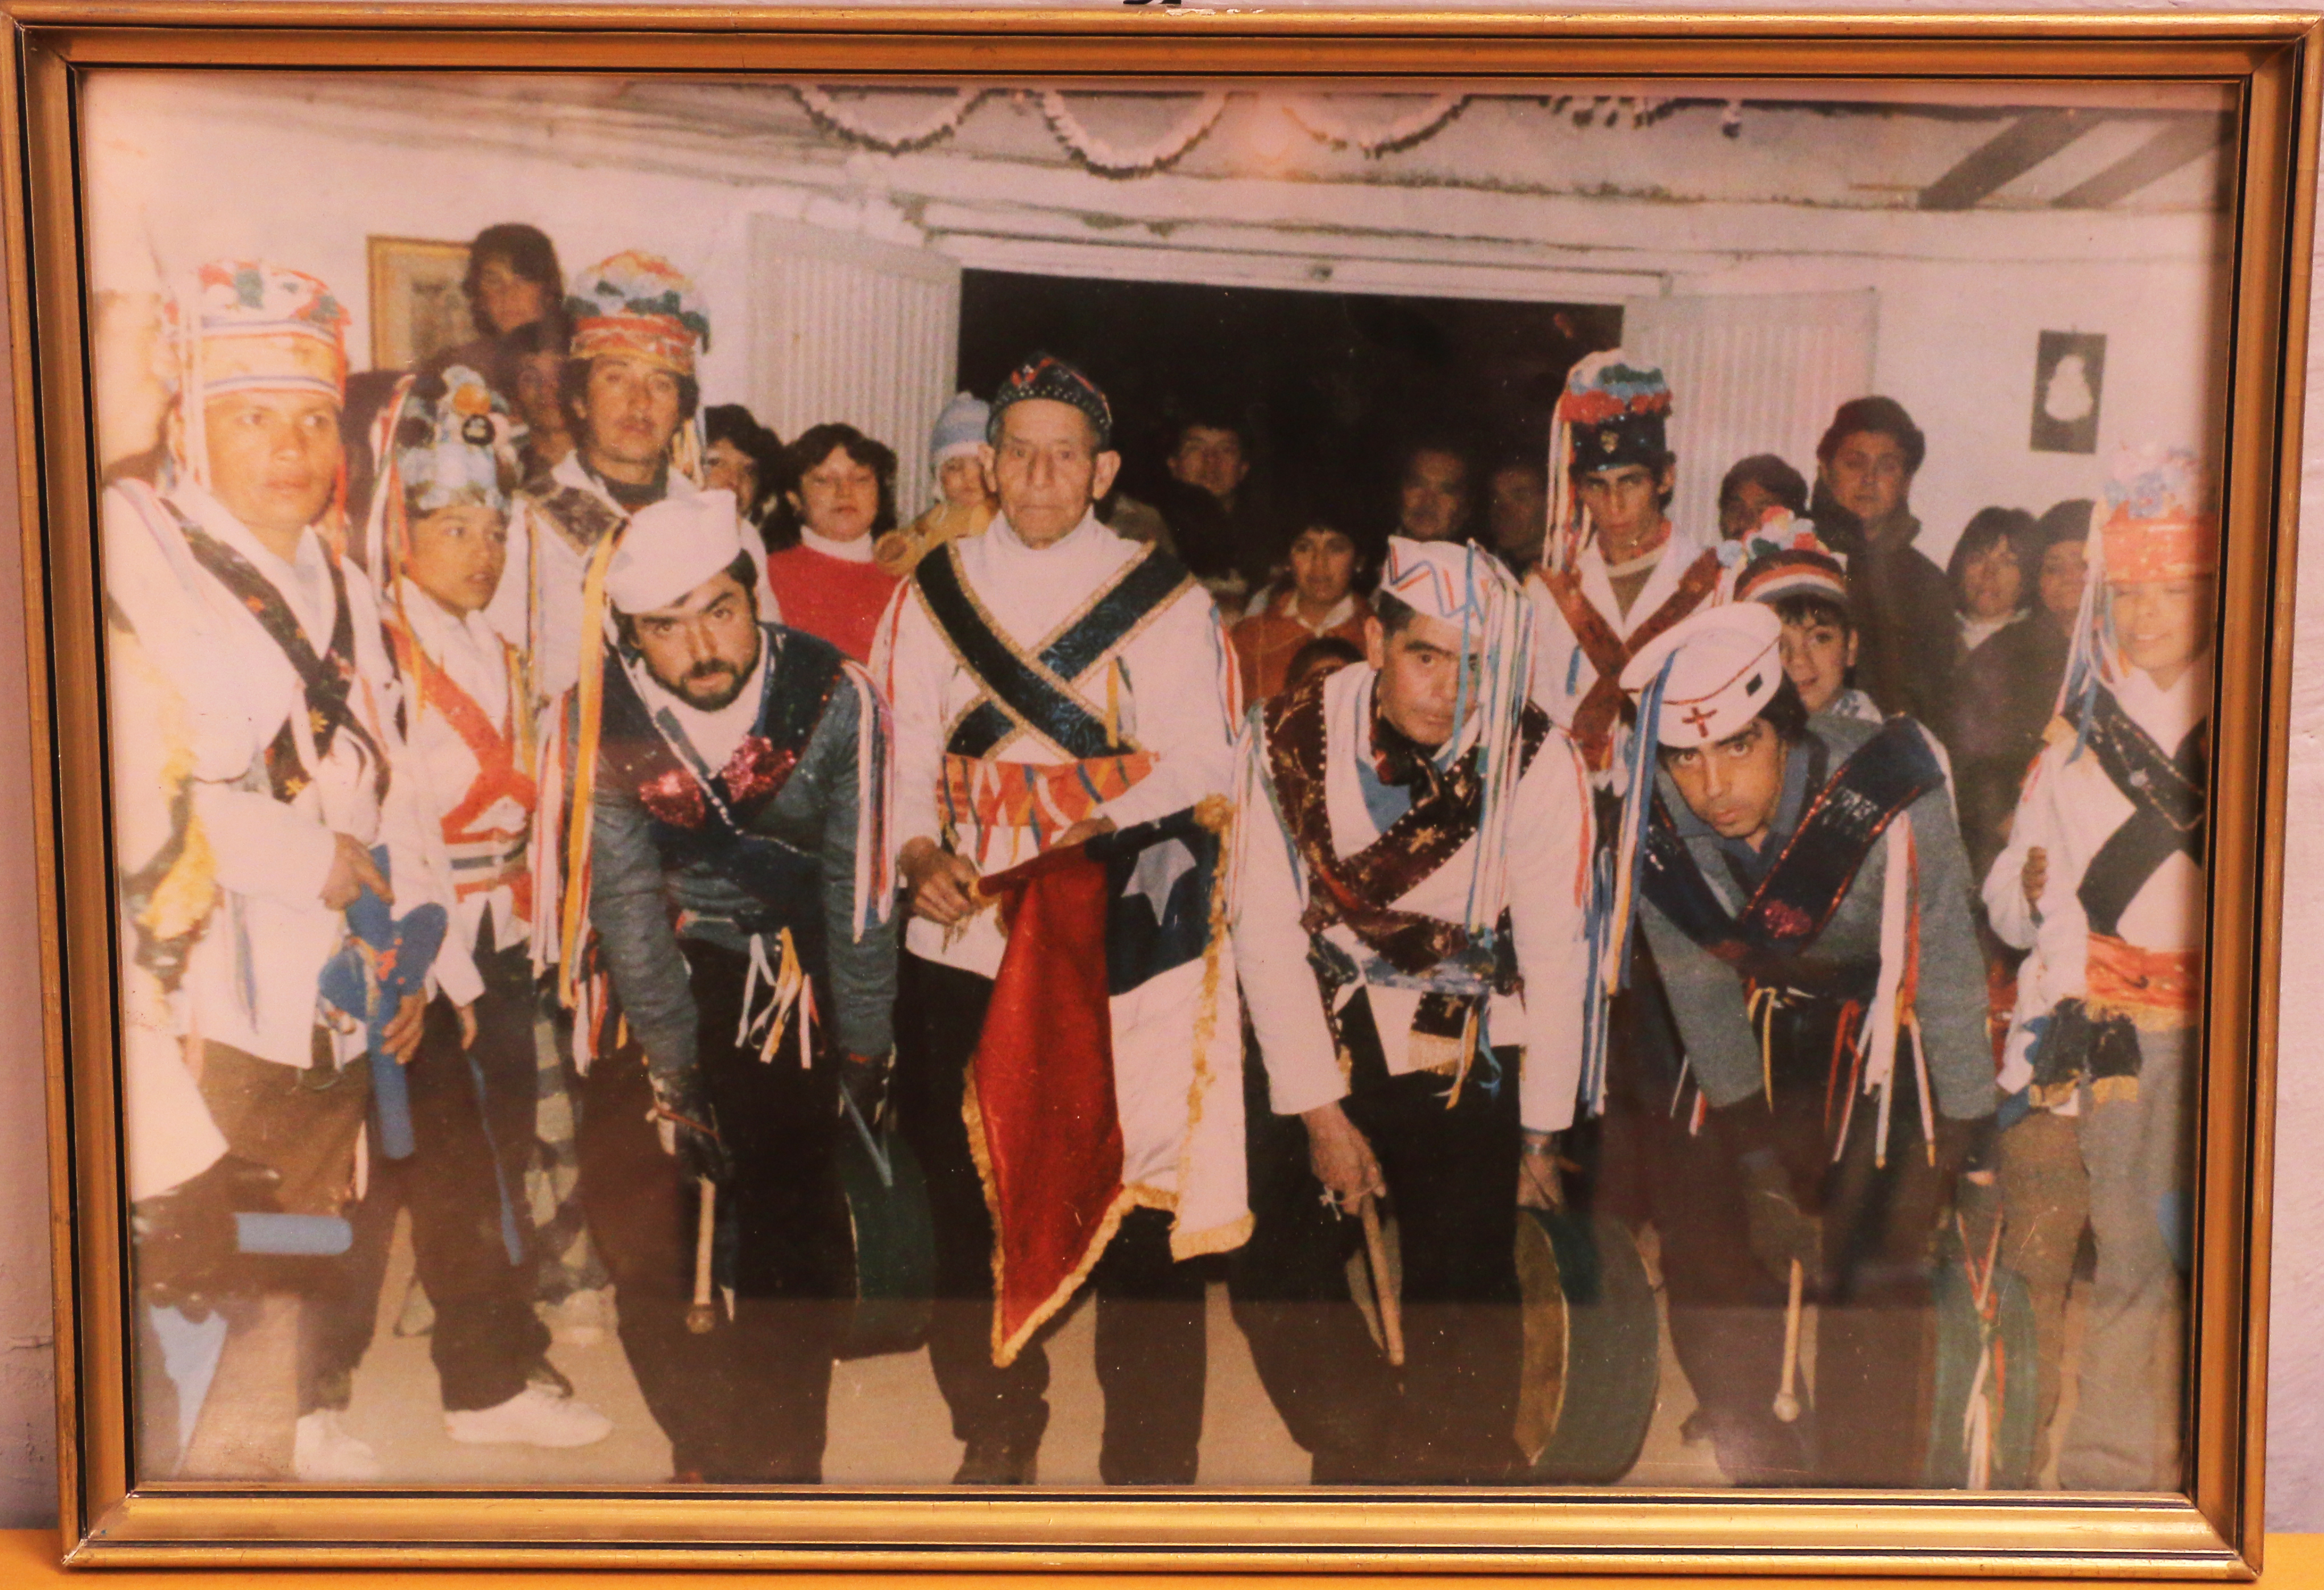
[2296, 1436]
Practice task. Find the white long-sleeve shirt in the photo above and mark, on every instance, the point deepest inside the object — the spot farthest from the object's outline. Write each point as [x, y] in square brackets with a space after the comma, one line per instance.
[443, 767]
[539, 605]
[251, 979]
[2069, 808]
[1175, 696]
[1549, 842]
[1563, 672]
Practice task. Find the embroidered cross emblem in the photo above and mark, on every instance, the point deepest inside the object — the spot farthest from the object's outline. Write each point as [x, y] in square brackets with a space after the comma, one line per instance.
[1695, 717]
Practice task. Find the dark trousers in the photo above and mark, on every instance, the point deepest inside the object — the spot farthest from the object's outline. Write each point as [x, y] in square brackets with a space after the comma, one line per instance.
[1150, 1343]
[748, 1401]
[472, 1136]
[1648, 1164]
[1875, 1343]
[302, 1123]
[1451, 1165]
[1876, 1326]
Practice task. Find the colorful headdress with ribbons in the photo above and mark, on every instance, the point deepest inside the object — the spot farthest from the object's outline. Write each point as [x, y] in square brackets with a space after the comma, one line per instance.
[2158, 521]
[457, 449]
[1611, 413]
[436, 446]
[1460, 585]
[1782, 557]
[638, 304]
[247, 326]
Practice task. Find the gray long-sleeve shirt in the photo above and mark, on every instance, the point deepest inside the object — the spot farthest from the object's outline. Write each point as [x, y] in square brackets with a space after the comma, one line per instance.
[1707, 996]
[634, 902]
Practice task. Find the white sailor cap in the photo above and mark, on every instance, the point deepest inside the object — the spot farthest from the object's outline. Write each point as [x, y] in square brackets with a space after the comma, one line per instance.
[670, 547]
[1447, 580]
[1726, 664]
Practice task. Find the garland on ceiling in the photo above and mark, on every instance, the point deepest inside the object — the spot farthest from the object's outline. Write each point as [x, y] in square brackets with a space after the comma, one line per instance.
[842, 119]
[1319, 119]
[1111, 160]
[1316, 116]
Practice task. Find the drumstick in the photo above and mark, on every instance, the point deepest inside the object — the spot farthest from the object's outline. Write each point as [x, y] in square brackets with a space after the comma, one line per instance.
[701, 1317]
[1787, 1404]
[1391, 1313]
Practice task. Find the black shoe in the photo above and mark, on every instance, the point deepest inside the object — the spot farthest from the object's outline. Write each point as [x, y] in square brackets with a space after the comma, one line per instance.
[997, 1460]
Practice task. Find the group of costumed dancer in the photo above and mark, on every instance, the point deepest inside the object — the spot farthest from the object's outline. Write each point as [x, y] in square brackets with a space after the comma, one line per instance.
[1561, 904]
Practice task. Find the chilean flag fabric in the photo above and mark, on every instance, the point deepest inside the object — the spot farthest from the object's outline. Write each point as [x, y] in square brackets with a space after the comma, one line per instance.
[1107, 1076]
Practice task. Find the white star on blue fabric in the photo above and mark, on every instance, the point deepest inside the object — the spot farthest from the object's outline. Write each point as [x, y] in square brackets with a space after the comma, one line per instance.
[1159, 868]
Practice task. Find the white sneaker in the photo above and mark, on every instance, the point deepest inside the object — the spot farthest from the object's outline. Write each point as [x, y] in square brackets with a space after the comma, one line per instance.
[323, 1450]
[535, 1417]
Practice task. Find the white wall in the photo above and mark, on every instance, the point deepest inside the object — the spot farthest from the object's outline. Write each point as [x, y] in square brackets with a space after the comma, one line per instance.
[2296, 1445]
[1956, 347]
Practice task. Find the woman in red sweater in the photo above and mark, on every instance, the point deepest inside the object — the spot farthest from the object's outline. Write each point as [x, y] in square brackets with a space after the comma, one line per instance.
[841, 495]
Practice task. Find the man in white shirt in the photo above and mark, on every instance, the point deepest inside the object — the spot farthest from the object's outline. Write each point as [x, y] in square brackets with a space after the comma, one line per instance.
[1051, 682]
[631, 392]
[1410, 934]
[2103, 882]
[1618, 572]
[293, 699]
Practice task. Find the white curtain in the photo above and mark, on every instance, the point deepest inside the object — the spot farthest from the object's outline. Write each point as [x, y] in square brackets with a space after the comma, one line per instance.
[853, 329]
[1750, 373]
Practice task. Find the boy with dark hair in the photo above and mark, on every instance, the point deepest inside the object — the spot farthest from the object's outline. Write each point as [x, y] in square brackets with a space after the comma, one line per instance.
[1808, 589]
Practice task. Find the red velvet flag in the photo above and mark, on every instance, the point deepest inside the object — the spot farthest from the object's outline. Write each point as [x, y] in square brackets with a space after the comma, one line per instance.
[1041, 1111]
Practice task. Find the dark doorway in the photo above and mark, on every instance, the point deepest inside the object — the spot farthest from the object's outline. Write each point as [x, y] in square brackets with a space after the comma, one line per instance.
[1333, 384]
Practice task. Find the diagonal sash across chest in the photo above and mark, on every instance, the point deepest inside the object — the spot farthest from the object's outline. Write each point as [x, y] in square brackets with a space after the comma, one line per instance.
[1811, 874]
[1360, 890]
[1609, 653]
[499, 776]
[1034, 694]
[2169, 809]
[327, 679]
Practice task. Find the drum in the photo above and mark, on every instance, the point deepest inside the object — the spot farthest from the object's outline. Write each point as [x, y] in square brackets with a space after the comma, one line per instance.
[1982, 1405]
[895, 1245]
[1592, 1347]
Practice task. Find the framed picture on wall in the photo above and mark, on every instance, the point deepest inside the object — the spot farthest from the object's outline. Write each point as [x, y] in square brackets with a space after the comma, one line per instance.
[1308, 792]
[418, 309]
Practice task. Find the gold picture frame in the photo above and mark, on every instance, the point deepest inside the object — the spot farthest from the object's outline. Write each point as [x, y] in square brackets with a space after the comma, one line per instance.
[417, 307]
[2273, 66]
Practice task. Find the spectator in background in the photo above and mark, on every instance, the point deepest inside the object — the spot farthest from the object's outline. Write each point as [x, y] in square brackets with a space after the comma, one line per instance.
[1754, 486]
[1323, 599]
[2007, 689]
[841, 496]
[965, 502]
[1863, 511]
[528, 369]
[1516, 509]
[1436, 493]
[514, 280]
[743, 456]
[1323, 655]
[1219, 518]
[1990, 577]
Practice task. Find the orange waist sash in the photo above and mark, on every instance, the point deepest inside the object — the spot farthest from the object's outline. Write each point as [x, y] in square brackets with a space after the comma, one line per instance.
[1047, 798]
[2158, 989]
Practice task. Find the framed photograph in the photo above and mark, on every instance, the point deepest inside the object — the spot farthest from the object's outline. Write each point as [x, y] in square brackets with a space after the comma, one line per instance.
[1159, 790]
[418, 309]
